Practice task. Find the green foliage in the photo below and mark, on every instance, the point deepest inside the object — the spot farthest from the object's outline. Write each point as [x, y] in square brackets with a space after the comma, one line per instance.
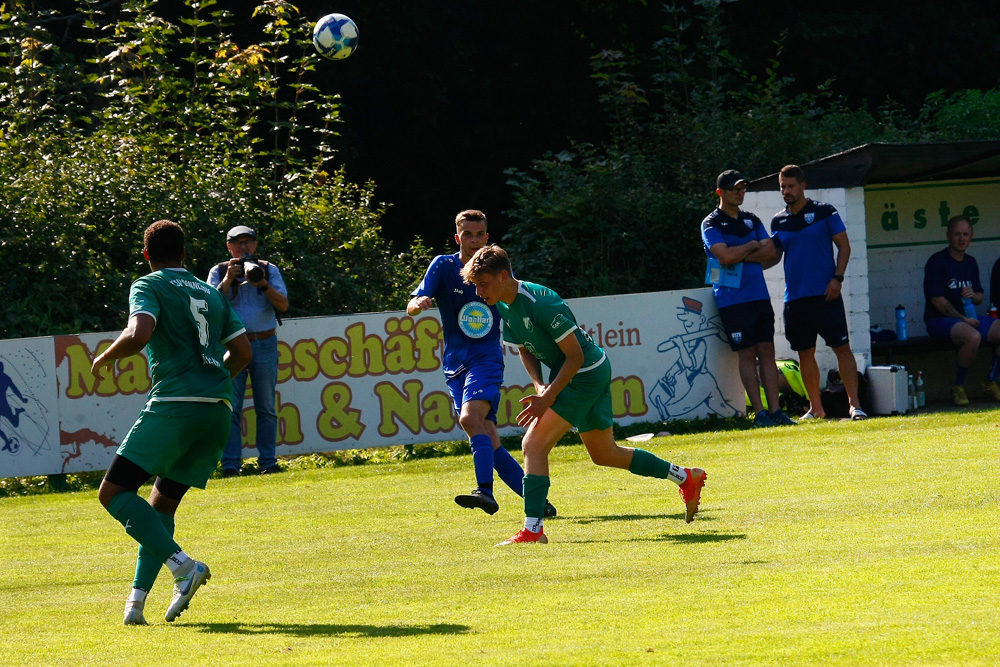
[175, 121]
[624, 216]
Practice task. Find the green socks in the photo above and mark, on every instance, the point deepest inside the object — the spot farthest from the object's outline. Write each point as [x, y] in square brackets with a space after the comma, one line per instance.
[147, 567]
[536, 490]
[143, 524]
[649, 465]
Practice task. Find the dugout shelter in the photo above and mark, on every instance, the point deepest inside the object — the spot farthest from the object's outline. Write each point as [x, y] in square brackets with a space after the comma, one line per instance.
[895, 200]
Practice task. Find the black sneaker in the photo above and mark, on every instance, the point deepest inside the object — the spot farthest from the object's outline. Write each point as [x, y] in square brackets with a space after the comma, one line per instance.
[550, 510]
[270, 470]
[480, 499]
[230, 472]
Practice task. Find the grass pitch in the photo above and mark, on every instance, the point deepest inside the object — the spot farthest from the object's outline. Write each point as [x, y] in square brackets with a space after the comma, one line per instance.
[869, 543]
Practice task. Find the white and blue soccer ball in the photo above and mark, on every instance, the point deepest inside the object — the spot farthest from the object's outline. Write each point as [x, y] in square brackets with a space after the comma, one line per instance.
[335, 36]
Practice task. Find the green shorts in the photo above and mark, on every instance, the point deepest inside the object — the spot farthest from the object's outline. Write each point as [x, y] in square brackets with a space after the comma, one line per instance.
[586, 401]
[180, 441]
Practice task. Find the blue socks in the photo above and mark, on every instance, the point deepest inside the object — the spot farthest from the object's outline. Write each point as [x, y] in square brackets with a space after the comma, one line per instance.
[509, 470]
[994, 370]
[482, 461]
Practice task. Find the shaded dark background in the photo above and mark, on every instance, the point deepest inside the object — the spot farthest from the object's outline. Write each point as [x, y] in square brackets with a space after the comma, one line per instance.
[444, 95]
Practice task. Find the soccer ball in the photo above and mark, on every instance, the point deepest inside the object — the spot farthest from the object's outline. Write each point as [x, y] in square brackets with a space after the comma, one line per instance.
[335, 36]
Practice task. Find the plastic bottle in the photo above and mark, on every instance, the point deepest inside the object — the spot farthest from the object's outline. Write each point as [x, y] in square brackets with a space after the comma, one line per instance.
[911, 392]
[900, 322]
[970, 310]
[993, 311]
[921, 395]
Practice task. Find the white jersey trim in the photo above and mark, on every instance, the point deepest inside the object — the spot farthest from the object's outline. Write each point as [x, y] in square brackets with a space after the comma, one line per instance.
[226, 340]
[594, 365]
[568, 332]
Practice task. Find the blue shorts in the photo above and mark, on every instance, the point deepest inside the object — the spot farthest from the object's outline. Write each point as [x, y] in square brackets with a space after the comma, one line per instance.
[940, 327]
[479, 382]
[813, 316]
[748, 323]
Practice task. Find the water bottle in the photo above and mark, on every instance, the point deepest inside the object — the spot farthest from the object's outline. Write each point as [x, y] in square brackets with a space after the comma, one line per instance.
[911, 393]
[921, 395]
[993, 311]
[970, 310]
[900, 322]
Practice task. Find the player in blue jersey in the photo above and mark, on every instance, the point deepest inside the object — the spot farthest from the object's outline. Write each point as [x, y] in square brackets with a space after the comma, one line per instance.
[737, 240]
[578, 391]
[950, 276]
[473, 361]
[805, 233]
[195, 344]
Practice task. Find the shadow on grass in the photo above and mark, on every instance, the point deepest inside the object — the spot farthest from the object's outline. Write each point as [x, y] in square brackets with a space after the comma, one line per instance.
[329, 630]
[587, 520]
[687, 538]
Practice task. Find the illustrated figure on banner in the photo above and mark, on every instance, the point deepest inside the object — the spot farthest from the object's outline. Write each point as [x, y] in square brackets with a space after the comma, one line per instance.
[20, 425]
[688, 384]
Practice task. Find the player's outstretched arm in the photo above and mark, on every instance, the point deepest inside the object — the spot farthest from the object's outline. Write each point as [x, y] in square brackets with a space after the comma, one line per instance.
[418, 304]
[137, 333]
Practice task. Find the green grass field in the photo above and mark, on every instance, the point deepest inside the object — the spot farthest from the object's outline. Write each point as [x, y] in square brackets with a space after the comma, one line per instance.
[870, 543]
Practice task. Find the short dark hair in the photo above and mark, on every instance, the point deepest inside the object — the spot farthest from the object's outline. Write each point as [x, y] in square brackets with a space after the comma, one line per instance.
[955, 219]
[490, 260]
[793, 171]
[164, 241]
[469, 215]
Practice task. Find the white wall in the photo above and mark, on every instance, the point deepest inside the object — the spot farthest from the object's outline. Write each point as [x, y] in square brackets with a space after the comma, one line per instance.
[851, 205]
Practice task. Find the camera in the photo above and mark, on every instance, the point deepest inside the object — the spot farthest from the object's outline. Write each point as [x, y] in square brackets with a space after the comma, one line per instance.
[251, 269]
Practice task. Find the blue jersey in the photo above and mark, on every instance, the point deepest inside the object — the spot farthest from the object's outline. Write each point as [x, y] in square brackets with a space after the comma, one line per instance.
[471, 328]
[718, 227]
[806, 239]
[945, 276]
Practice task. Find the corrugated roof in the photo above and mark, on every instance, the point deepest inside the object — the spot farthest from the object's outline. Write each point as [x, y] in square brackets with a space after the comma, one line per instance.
[897, 163]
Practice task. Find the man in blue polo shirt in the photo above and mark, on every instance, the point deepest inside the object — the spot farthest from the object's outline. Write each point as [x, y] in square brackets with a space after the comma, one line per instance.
[805, 233]
[950, 276]
[737, 241]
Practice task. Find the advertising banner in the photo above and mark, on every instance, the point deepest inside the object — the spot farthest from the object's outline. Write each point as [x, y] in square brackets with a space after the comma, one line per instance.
[908, 214]
[369, 380]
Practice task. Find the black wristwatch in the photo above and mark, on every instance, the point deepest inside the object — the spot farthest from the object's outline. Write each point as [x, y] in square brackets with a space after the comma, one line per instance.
[268, 286]
[839, 278]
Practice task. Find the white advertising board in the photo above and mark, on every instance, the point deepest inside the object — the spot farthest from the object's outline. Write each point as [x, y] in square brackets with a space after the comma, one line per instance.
[368, 380]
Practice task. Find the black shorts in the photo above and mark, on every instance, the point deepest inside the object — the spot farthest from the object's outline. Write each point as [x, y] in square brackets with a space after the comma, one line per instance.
[748, 323]
[810, 316]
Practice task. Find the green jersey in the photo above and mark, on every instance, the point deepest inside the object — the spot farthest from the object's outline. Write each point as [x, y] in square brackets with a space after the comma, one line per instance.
[539, 319]
[193, 322]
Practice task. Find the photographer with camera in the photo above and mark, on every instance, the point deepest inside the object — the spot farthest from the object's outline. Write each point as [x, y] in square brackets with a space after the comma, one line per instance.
[258, 295]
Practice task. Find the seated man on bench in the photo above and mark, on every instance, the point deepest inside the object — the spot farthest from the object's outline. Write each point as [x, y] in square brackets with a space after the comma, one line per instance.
[950, 277]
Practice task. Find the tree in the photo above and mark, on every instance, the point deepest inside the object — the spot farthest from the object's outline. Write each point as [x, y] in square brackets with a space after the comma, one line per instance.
[623, 216]
[176, 121]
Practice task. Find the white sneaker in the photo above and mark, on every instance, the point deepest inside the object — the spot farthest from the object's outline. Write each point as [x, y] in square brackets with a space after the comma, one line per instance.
[185, 586]
[133, 613]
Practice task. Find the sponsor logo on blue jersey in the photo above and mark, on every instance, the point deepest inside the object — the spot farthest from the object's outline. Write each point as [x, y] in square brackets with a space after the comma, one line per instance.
[475, 319]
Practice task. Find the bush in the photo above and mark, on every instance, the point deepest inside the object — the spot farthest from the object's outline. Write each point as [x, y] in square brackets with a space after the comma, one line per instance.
[167, 121]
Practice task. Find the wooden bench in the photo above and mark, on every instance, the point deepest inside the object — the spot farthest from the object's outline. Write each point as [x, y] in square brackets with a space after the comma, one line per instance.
[913, 344]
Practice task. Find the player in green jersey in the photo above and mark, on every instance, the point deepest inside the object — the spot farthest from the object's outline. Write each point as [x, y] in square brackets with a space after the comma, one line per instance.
[195, 344]
[543, 328]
